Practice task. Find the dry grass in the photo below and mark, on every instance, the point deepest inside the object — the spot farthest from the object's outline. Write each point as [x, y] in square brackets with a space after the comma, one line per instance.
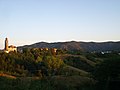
[6, 75]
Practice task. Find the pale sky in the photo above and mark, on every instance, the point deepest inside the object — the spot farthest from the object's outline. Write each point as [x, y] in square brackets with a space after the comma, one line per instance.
[31, 21]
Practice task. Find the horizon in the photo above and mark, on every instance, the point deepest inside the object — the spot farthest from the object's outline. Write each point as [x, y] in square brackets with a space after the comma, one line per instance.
[60, 42]
[27, 22]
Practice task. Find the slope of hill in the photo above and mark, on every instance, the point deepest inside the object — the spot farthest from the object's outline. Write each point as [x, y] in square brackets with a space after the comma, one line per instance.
[73, 45]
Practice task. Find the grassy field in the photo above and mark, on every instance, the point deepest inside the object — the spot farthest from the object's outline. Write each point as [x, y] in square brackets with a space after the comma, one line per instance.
[50, 83]
[71, 79]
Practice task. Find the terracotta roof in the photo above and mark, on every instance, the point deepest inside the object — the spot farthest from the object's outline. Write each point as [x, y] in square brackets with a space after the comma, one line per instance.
[11, 46]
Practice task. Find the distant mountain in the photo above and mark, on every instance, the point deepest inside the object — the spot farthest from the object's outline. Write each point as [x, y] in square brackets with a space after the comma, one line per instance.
[73, 45]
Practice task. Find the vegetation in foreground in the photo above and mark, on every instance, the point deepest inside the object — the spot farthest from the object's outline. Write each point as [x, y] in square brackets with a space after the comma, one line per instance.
[37, 70]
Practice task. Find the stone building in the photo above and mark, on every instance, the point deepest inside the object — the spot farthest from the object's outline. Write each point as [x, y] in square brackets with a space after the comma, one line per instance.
[10, 48]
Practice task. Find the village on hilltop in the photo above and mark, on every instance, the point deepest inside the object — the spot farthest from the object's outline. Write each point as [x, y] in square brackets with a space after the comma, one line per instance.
[13, 48]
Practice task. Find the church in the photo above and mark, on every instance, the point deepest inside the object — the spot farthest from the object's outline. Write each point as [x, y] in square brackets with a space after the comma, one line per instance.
[10, 48]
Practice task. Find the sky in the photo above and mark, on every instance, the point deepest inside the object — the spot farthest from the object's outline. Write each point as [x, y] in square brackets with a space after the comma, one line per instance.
[30, 21]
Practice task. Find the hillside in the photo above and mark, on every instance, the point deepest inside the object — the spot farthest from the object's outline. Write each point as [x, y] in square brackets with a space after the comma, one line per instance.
[73, 45]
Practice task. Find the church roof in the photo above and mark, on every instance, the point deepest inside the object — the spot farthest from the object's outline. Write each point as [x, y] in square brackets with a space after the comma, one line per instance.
[11, 46]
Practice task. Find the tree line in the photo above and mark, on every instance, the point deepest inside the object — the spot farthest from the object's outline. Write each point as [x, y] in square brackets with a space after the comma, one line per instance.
[31, 62]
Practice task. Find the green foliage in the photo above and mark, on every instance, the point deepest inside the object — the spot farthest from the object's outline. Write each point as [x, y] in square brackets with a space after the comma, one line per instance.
[108, 68]
[106, 55]
[52, 64]
[80, 62]
[76, 52]
[54, 83]
[30, 63]
[71, 73]
[60, 51]
[39, 59]
[108, 72]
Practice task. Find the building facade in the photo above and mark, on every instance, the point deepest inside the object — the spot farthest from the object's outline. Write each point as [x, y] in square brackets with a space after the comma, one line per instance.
[10, 48]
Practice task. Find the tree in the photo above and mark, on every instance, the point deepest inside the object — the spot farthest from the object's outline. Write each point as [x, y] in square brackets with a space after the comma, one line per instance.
[108, 72]
[53, 64]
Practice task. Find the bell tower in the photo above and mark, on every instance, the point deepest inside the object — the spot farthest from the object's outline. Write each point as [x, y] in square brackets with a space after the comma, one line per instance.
[6, 43]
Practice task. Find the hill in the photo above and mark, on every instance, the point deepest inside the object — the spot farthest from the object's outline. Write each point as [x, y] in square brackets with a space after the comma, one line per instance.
[74, 46]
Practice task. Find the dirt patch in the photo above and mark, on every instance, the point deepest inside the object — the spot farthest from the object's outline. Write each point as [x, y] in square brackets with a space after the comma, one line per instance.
[6, 75]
